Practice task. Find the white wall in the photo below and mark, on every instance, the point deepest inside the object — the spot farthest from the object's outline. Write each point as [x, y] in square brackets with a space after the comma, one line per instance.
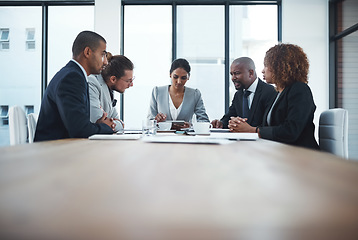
[305, 23]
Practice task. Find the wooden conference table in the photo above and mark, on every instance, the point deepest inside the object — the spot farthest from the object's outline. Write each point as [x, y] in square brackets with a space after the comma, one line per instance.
[108, 189]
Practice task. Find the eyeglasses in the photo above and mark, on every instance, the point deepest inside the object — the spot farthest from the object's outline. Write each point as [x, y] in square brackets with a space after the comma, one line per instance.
[129, 81]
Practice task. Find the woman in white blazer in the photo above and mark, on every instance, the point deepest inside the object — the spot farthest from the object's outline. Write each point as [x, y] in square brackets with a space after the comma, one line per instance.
[116, 76]
[175, 101]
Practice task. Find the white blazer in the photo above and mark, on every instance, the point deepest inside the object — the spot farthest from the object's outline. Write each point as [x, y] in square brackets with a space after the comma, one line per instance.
[192, 103]
[100, 100]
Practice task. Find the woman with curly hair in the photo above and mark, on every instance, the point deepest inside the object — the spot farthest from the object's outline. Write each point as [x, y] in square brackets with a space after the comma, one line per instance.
[289, 119]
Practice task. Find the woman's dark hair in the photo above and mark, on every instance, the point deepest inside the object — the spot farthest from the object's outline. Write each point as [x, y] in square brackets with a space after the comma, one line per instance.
[117, 64]
[180, 63]
[288, 64]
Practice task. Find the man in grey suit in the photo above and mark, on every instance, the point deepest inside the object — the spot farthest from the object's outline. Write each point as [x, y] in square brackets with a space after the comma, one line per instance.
[252, 96]
[116, 76]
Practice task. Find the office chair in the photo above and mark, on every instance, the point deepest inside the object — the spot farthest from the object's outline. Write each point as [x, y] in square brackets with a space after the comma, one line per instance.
[333, 132]
[17, 125]
[31, 124]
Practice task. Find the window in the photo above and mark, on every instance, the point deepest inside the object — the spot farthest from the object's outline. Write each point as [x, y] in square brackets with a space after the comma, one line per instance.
[201, 40]
[30, 39]
[344, 61]
[18, 61]
[4, 39]
[155, 35]
[29, 109]
[148, 44]
[4, 115]
[253, 30]
[62, 32]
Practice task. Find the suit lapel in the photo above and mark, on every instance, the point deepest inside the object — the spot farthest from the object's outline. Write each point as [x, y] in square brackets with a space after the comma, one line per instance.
[256, 99]
[273, 108]
[240, 95]
[184, 106]
[166, 103]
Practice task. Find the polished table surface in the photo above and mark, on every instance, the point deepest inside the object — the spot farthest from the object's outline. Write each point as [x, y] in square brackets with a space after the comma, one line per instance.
[108, 189]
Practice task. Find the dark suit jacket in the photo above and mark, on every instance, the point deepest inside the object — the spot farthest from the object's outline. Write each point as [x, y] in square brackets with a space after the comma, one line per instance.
[263, 95]
[65, 108]
[292, 117]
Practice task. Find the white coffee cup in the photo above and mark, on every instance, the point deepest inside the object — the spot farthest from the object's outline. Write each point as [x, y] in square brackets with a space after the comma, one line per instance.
[202, 128]
[165, 126]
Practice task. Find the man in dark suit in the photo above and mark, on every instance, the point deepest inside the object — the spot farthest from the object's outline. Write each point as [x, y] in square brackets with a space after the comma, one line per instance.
[252, 95]
[65, 108]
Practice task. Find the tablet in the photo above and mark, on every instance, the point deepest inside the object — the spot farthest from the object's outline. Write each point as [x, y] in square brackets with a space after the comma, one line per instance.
[177, 122]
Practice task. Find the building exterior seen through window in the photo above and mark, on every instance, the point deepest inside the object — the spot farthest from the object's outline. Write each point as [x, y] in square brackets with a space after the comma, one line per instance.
[20, 81]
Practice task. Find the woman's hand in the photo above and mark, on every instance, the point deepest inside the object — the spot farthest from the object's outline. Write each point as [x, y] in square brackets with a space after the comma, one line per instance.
[238, 124]
[161, 117]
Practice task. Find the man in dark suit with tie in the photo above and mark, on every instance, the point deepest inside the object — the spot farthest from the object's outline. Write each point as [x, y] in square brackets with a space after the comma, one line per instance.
[252, 95]
[65, 108]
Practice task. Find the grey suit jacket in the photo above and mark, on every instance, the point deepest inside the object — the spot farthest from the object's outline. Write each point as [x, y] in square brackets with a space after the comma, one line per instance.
[192, 103]
[100, 100]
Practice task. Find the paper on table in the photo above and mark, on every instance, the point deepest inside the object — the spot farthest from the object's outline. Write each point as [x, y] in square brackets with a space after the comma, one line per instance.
[115, 137]
[219, 130]
[185, 139]
[132, 131]
[235, 136]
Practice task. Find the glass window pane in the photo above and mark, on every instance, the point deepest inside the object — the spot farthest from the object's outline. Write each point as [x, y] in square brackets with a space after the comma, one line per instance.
[347, 75]
[62, 31]
[201, 40]
[253, 30]
[4, 34]
[30, 33]
[148, 44]
[20, 82]
[347, 14]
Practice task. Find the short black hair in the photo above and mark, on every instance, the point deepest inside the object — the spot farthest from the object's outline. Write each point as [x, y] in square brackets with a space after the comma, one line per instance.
[180, 63]
[86, 39]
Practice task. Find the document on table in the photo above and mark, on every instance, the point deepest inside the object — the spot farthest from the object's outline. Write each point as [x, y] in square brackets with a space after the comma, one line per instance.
[185, 139]
[235, 136]
[115, 137]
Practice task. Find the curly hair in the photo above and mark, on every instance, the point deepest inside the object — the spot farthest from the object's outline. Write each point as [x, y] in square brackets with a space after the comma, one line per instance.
[288, 64]
[117, 65]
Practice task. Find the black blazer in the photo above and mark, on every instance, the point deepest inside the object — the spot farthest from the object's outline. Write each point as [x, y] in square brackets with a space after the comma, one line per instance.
[65, 108]
[292, 117]
[263, 95]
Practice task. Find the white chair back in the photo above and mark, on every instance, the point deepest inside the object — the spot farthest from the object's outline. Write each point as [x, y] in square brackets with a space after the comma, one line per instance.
[17, 125]
[31, 124]
[333, 132]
